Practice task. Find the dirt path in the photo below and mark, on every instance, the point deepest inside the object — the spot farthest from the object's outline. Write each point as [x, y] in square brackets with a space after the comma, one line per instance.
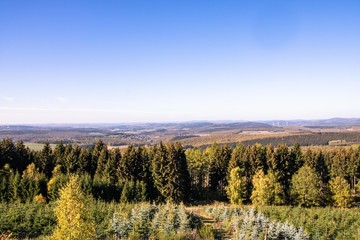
[219, 232]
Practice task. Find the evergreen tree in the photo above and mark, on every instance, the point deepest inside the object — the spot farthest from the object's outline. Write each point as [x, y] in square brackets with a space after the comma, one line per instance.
[170, 173]
[56, 182]
[256, 155]
[354, 167]
[71, 160]
[5, 173]
[101, 164]
[339, 163]
[22, 158]
[59, 153]
[85, 162]
[296, 158]
[110, 170]
[46, 160]
[239, 159]
[98, 148]
[14, 182]
[32, 183]
[219, 158]
[282, 165]
[129, 164]
[7, 153]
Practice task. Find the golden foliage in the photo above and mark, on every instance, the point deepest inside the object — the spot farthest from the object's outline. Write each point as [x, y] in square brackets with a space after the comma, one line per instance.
[72, 214]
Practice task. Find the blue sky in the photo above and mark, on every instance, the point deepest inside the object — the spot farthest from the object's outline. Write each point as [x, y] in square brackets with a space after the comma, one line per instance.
[158, 61]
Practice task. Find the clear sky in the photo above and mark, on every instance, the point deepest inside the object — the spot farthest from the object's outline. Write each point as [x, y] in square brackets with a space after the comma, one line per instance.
[144, 61]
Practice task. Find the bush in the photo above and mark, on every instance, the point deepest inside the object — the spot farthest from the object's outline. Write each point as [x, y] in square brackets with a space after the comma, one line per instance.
[26, 219]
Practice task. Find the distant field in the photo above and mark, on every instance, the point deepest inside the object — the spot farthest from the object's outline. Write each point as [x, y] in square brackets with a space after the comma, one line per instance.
[37, 146]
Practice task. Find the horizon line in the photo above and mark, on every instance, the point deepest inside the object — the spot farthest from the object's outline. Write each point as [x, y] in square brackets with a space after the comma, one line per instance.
[177, 122]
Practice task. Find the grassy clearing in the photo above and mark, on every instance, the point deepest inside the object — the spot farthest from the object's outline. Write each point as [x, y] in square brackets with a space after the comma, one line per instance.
[37, 146]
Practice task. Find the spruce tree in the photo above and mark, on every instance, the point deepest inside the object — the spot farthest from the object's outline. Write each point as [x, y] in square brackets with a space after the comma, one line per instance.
[22, 157]
[59, 153]
[339, 163]
[71, 161]
[170, 173]
[46, 160]
[218, 158]
[7, 153]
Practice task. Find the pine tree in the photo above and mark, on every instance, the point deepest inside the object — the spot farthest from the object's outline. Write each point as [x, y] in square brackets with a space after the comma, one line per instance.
[73, 221]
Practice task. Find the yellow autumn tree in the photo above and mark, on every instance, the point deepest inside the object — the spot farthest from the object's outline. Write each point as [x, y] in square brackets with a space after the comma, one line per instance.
[341, 192]
[260, 194]
[267, 189]
[306, 186]
[73, 221]
[237, 187]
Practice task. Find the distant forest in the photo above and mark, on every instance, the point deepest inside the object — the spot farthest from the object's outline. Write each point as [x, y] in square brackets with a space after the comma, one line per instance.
[311, 139]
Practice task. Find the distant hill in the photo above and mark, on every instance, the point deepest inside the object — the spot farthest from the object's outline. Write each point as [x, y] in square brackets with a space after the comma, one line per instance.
[332, 122]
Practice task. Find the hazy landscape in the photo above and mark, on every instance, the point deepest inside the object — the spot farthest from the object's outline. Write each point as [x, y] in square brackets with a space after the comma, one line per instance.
[191, 134]
[232, 179]
[179, 120]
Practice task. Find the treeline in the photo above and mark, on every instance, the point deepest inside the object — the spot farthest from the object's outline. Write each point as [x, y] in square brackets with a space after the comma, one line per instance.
[256, 174]
[310, 139]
